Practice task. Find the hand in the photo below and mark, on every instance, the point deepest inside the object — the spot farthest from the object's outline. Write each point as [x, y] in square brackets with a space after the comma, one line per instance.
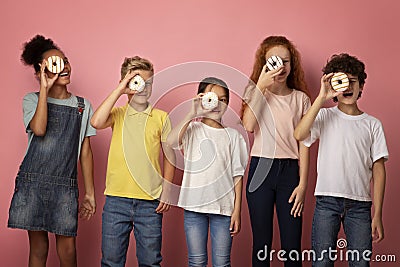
[235, 225]
[123, 84]
[45, 81]
[163, 207]
[377, 229]
[88, 207]
[326, 92]
[165, 203]
[197, 109]
[267, 78]
[298, 195]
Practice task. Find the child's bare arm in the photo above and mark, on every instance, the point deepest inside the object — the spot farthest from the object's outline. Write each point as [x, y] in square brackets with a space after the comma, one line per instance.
[379, 180]
[237, 210]
[299, 193]
[102, 116]
[38, 124]
[88, 206]
[168, 175]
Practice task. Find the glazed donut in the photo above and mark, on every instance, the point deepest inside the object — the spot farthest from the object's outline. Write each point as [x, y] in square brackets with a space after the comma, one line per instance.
[209, 100]
[340, 82]
[274, 62]
[137, 83]
[55, 64]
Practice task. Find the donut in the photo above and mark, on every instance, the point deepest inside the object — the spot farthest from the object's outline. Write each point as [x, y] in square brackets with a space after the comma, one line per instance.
[209, 100]
[274, 62]
[137, 83]
[55, 64]
[340, 82]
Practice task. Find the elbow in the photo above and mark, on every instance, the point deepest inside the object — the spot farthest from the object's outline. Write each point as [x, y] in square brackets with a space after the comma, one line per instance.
[39, 132]
[170, 142]
[299, 136]
[95, 123]
[249, 127]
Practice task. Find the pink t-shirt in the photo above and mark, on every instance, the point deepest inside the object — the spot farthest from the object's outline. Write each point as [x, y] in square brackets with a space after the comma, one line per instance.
[273, 137]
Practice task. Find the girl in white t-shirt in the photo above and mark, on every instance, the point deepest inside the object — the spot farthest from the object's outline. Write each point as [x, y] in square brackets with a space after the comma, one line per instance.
[274, 102]
[215, 161]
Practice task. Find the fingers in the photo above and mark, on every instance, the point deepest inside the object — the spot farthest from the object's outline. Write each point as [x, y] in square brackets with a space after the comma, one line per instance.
[234, 228]
[377, 234]
[298, 205]
[163, 207]
[277, 71]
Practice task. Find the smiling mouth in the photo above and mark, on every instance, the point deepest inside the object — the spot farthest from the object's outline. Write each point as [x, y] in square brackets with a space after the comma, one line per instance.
[64, 74]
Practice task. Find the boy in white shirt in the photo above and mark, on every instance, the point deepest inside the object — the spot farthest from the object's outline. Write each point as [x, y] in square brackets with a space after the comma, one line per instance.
[352, 151]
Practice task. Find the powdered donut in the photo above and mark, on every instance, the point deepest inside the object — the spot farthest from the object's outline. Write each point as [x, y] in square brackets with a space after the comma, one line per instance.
[137, 83]
[209, 100]
[274, 62]
[340, 82]
[55, 64]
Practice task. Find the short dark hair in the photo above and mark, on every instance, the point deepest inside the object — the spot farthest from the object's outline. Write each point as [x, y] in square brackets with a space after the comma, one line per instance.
[347, 64]
[33, 51]
[215, 81]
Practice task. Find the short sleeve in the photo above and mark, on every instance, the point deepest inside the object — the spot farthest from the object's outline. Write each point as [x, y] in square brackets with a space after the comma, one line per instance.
[240, 156]
[29, 105]
[166, 129]
[315, 130]
[90, 130]
[379, 148]
[186, 136]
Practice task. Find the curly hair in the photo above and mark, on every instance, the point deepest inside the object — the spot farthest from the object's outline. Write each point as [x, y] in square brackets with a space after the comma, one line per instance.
[295, 79]
[135, 63]
[34, 49]
[347, 64]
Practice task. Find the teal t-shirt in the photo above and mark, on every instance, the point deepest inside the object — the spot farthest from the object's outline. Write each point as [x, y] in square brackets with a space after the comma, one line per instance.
[29, 107]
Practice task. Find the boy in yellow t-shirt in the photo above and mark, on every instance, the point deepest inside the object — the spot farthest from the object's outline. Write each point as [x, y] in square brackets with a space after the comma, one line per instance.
[134, 179]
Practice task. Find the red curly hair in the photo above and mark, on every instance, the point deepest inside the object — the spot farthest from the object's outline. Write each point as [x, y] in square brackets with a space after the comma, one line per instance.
[295, 79]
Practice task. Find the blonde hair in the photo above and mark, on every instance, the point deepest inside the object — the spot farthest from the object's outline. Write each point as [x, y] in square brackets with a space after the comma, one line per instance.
[136, 63]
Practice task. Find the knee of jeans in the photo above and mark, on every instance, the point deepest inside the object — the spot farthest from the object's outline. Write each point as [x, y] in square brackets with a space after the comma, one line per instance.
[198, 260]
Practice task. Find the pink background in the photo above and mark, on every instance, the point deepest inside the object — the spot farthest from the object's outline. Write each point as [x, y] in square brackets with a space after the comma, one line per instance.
[96, 36]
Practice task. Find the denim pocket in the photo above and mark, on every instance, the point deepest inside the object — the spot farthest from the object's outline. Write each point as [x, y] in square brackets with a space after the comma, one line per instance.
[20, 196]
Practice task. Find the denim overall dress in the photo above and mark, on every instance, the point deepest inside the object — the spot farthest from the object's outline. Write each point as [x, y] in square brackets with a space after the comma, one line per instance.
[46, 188]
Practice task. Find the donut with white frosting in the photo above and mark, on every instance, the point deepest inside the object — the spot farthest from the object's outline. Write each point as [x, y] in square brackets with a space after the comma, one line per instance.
[340, 82]
[209, 100]
[137, 83]
[274, 62]
[55, 64]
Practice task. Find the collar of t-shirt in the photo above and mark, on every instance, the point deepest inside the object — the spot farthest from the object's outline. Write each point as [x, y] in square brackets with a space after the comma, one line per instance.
[148, 111]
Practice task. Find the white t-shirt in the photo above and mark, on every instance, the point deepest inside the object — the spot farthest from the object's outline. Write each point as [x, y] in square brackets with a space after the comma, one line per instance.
[348, 147]
[213, 157]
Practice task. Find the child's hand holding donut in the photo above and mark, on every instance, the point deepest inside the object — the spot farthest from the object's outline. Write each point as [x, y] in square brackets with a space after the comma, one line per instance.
[267, 78]
[123, 85]
[45, 81]
[326, 92]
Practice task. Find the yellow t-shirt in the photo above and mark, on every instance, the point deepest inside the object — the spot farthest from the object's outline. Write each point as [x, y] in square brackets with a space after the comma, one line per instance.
[133, 169]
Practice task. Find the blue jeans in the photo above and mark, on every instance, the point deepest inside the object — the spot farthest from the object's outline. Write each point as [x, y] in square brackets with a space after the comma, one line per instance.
[196, 229]
[120, 216]
[355, 215]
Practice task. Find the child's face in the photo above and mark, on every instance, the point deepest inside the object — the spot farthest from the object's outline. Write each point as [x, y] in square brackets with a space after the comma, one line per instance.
[142, 98]
[65, 76]
[350, 96]
[284, 54]
[217, 112]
